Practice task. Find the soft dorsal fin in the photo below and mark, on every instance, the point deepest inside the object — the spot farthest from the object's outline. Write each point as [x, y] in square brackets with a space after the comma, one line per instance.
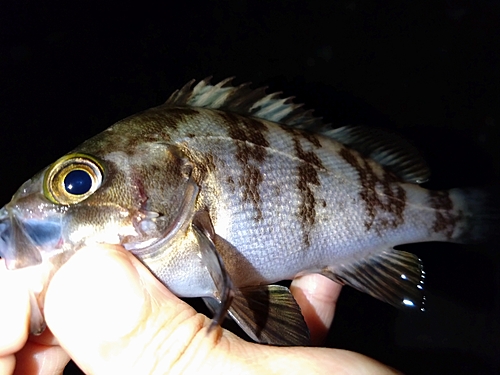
[387, 149]
[245, 101]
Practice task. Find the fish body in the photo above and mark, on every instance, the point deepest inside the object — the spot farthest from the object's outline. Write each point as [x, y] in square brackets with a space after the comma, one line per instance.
[223, 191]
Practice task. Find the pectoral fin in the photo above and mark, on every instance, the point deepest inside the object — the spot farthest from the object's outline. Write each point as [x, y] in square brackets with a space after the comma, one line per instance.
[392, 276]
[270, 315]
[210, 258]
[267, 313]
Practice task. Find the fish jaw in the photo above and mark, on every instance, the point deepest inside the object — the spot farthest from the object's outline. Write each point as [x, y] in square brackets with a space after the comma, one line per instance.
[27, 235]
[31, 245]
[36, 239]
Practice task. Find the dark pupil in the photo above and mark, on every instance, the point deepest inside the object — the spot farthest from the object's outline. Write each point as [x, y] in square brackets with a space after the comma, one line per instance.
[77, 182]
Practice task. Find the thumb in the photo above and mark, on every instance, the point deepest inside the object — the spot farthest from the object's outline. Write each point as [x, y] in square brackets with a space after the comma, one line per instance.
[112, 316]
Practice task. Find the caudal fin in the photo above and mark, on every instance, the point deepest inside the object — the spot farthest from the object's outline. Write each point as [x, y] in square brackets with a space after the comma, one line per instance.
[481, 214]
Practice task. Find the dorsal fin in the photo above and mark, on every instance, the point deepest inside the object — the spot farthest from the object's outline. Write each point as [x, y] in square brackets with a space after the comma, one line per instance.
[245, 101]
[387, 149]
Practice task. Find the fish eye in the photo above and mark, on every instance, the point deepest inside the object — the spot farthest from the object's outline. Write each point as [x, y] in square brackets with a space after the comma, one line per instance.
[77, 182]
[72, 179]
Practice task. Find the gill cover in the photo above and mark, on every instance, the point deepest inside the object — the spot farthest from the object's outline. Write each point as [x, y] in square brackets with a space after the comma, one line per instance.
[72, 179]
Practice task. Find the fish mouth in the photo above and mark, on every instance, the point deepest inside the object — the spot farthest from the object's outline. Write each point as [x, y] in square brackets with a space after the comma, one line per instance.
[25, 241]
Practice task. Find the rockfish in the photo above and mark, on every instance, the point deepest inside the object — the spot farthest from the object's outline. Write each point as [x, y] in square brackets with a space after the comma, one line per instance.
[223, 191]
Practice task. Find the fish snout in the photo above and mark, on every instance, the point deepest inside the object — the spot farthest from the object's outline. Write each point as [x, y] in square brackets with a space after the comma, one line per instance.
[23, 240]
[6, 249]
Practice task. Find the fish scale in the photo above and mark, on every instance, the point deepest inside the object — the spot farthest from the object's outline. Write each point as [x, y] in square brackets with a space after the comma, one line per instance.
[239, 231]
[223, 191]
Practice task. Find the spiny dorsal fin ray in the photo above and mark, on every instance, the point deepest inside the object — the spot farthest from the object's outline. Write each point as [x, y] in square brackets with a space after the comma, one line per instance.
[392, 152]
[393, 276]
[245, 101]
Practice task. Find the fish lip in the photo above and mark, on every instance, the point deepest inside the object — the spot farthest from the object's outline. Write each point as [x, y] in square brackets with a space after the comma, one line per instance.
[6, 252]
[25, 241]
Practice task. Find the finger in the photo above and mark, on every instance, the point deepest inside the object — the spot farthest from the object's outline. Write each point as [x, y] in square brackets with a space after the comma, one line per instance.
[39, 359]
[38, 356]
[317, 297]
[7, 364]
[166, 336]
[41, 355]
[112, 316]
[14, 311]
[300, 360]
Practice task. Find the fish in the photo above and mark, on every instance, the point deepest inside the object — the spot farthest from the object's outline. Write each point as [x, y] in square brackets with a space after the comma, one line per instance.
[223, 191]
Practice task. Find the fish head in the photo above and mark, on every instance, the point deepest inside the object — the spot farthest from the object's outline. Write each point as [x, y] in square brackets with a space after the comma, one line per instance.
[56, 212]
[130, 198]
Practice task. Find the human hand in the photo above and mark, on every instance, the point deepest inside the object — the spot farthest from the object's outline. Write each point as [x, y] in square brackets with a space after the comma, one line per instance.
[110, 315]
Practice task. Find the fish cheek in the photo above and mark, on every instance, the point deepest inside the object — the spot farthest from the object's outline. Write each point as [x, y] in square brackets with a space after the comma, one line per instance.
[96, 224]
[107, 215]
[121, 188]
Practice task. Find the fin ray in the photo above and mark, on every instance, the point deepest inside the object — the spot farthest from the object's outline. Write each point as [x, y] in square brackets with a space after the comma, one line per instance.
[215, 266]
[243, 100]
[387, 149]
[393, 276]
[269, 314]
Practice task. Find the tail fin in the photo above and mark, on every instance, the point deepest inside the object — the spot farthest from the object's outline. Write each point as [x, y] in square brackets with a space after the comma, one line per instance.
[481, 214]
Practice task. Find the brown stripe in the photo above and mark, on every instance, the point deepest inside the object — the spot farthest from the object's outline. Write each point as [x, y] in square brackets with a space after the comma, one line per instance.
[307, 207]
[251, 144]
[250, 182]
[161, 117]
[445, 219]
[245, 129]
[204, 164]
[311, 138]
[299, 133]
[175, 116]
[308, 175]
[392, 199]
[153, 125]
[309, 157]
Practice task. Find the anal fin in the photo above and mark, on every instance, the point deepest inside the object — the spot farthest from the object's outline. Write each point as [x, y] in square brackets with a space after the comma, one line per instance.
[393, 276]
[270, 315]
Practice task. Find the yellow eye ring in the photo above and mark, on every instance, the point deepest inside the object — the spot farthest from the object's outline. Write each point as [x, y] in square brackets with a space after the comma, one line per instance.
[72, 179]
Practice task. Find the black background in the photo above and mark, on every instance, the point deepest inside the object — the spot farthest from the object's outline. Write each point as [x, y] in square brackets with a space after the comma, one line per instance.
[428, 70]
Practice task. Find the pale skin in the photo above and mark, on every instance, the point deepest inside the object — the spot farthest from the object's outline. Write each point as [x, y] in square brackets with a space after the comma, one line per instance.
[111, 316]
